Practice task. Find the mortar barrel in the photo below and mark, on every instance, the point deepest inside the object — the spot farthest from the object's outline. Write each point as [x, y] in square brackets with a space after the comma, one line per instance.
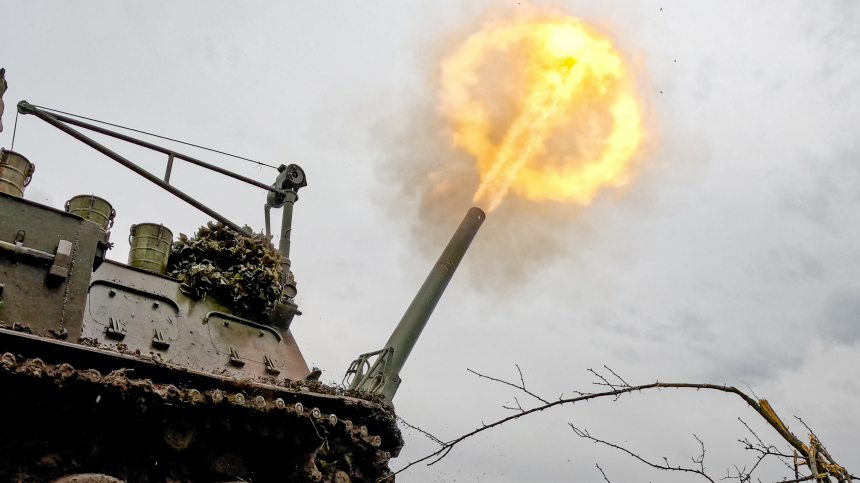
[150, 247]
[413, 321]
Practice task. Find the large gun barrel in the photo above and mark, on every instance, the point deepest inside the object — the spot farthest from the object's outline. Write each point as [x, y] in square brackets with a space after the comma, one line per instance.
[413, 321]
[383, 375]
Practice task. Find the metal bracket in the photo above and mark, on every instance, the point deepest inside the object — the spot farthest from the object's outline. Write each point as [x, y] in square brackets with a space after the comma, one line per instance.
[234, 358]
[251, 323]
[102, 246]
[115, 330]
[270, 366]
[158, 340]
[113, 287]
[62, 260]
[366, 377]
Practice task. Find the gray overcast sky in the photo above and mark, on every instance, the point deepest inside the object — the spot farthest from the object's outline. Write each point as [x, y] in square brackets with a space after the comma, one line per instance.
[732, 257]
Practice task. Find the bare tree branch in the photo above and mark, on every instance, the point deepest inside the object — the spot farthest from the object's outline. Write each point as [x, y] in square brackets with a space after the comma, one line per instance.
[701, 459]
[521, 387]
[814, 455]
[824, 460]
[745, 476]
[602, 473]
[765, 413]
[765, 450]
[425, 433]
[605, 382]
[582, 433]
[518, 408]
[616, 375]
[797, 480]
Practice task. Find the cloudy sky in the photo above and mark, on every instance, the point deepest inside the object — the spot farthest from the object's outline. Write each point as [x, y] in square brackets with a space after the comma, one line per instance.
[732, 256]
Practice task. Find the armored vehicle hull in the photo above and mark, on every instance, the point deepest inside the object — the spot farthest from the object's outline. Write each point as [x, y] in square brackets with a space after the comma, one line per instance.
[112, 370]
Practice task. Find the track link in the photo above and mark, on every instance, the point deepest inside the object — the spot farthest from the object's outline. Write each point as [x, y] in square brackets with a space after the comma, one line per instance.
[124, 427]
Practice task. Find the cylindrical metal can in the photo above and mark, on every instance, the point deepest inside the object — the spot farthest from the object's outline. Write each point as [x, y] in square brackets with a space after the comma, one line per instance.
[15, 173]
[93, 208]
[150, 247]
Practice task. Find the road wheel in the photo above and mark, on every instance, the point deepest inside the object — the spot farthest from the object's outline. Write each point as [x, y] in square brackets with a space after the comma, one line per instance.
[88, 478]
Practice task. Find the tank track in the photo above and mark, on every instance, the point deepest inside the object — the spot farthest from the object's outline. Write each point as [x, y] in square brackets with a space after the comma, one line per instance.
[61, 421]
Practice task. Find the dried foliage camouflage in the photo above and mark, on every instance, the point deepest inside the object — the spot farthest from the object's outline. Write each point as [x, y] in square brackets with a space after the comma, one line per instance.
[242, 272]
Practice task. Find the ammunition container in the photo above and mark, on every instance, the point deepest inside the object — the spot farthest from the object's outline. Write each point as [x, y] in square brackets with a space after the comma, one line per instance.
[150, 247]
[93, 208]
[15, 173]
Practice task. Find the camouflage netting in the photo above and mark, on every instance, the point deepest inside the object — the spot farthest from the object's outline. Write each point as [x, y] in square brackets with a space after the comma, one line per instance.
[242, 272]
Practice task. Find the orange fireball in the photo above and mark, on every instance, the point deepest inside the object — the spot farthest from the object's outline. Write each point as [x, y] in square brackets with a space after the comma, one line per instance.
[547, 107]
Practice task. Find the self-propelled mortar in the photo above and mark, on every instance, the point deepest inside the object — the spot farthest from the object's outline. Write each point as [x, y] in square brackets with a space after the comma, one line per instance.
[117, 372]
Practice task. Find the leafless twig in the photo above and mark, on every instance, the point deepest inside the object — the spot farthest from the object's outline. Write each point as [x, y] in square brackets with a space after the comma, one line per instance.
[701, 459]
[521, 387]
[763, 449]
[425, 433]
[605, 382]
[583, 433]
[602, 473]
[797, 480]
[616, 375]
[518, 408]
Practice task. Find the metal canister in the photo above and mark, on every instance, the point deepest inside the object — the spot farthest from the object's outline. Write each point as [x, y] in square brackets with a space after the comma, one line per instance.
[15, 173]
[150, 247]
[93, 208]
